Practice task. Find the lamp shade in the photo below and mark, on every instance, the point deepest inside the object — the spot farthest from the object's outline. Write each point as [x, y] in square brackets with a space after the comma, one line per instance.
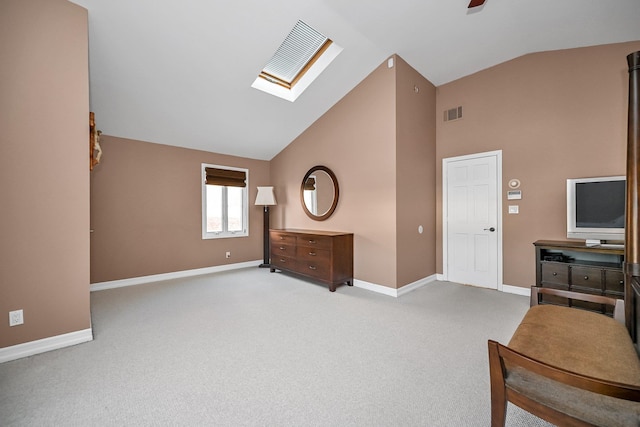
[265, 196]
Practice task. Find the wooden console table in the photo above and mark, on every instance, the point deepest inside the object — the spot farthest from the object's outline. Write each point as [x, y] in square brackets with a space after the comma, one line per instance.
[573, 266]
[325, 256]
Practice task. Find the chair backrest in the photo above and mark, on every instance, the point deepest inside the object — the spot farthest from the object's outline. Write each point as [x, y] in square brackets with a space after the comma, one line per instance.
[617, 304]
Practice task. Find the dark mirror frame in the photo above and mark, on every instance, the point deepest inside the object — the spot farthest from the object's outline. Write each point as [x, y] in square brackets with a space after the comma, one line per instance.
[336, 193]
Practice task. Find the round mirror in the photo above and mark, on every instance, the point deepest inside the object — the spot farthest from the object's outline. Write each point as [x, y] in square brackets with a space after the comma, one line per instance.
[319, 193]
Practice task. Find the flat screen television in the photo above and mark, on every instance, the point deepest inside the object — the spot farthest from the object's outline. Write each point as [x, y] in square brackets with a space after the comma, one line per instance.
[596, 209]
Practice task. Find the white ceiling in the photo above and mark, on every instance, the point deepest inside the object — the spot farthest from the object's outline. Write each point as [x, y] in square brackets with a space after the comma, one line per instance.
[180, 72]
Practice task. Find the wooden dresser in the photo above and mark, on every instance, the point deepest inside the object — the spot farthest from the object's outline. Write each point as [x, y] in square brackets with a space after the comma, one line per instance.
[325, 256]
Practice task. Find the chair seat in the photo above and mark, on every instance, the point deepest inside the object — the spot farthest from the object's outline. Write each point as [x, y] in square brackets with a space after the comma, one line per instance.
[579, 341]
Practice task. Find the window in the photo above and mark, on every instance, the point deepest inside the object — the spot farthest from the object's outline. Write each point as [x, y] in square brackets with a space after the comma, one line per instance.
[301, 57]
[311, 195]
[224, 202]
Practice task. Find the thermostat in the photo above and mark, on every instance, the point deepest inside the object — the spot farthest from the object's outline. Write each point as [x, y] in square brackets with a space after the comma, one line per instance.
[514, 183]
[514, 194]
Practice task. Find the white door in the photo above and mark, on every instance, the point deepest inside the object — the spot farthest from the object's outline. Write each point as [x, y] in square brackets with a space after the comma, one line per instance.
[472, 220]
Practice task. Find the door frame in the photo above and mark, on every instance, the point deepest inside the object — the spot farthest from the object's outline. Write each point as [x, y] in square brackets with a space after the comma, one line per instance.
[445, 198]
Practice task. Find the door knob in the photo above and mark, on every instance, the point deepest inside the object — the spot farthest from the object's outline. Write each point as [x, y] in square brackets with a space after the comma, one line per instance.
[492, 229]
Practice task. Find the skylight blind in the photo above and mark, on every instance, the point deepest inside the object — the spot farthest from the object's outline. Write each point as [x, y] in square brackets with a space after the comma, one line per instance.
[300, 46]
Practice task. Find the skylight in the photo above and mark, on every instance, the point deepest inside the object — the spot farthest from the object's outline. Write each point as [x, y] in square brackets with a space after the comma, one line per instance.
[301, 57]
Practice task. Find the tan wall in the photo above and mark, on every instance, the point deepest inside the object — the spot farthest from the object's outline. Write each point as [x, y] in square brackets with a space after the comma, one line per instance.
[44, 169]
[379, 140]
[555, 115]
[416, 175]
[146, 211]
[356, 140]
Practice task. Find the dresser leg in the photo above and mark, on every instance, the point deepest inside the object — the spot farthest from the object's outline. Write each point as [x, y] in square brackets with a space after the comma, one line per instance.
[349, 282]
[332, 288]
[273, 270]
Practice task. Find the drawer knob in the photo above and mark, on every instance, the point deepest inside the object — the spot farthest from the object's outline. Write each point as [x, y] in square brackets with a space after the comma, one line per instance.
[282, 260]
[281, 238]
[313, 242]
[312, 267]
[312, 253]
[555, 274]
[282, 248]
[622, 282]
[586, 277]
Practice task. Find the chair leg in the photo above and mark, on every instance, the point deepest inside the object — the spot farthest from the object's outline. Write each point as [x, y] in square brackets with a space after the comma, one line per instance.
[498, 392]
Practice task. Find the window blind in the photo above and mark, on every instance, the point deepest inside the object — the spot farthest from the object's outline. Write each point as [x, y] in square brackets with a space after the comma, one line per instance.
[226, 177]
[310, 184]
[300, 46]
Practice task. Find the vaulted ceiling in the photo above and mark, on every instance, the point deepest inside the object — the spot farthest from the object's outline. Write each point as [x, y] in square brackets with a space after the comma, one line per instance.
[180, 72]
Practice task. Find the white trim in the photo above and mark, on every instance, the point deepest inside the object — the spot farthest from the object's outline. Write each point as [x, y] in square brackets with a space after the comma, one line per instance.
[518, 290]
[416, 285]
[445, 164]
[168, 276]
[245, 204]
[385, 290]
[46, 344]
[392, 292]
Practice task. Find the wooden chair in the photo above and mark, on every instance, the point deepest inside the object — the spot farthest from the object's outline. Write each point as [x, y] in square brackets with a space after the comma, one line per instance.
[567, 386]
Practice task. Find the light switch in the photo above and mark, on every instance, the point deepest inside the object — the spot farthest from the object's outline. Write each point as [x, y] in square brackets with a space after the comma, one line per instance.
[514, 209]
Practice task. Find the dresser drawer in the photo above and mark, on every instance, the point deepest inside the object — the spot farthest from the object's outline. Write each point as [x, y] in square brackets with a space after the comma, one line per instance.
[305, 253]
[311, 241]
[314, 268]
[614, 281]
[280, 237]
[282, 249]
[586, 277]
[285, 262]
[555, 274]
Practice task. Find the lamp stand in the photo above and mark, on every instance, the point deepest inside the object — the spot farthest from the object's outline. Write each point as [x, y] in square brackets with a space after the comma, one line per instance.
[265, 228]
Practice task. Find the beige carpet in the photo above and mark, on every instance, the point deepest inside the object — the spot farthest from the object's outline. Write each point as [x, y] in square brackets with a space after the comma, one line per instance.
[254, 348]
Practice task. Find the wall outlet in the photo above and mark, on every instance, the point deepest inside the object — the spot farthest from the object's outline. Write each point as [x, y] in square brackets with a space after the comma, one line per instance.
[16, 318]
[228, 255]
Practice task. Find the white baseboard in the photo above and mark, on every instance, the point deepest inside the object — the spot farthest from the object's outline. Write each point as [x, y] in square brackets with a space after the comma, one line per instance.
[392, 292]
[417, 284]
[385, 290]
[101, 286]
[518, 290]
[509, 289]
[46, 344]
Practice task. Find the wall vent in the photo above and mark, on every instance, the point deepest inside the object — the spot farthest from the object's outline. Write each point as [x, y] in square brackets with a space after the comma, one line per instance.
[453, 114]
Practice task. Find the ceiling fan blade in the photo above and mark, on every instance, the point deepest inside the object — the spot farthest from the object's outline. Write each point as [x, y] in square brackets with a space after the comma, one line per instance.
[476, 3]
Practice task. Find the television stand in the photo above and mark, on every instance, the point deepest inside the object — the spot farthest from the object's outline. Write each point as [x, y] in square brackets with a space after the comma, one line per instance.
[575, 266]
